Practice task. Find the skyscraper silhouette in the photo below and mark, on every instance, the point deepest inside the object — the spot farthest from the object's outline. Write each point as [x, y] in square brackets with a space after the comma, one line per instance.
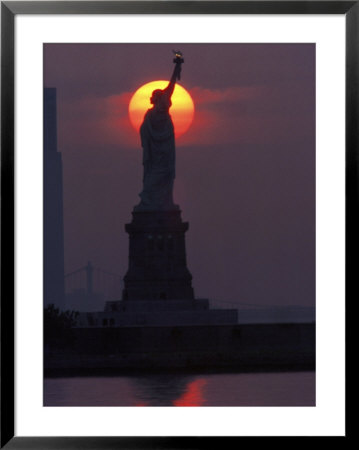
[53, 207]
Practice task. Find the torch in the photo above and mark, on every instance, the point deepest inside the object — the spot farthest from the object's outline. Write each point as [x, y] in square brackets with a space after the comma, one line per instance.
[178, 59]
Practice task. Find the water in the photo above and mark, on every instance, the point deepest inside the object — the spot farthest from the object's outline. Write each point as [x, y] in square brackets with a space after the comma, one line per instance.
[240, 389]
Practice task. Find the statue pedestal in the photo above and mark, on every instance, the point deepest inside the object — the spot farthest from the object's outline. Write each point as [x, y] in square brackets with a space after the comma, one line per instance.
[157, 257]
[158, 285]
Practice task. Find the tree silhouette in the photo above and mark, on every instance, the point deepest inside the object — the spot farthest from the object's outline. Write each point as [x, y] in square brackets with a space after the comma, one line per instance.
[58, 326]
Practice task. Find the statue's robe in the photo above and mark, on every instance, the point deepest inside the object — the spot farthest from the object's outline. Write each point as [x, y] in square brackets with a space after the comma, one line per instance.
[158, 143]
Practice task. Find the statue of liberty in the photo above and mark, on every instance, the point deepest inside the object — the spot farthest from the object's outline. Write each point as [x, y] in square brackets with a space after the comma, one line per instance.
[158, 143]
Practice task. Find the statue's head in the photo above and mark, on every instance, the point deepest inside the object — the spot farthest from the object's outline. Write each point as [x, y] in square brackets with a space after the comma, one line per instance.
[156, 96]
[160, 101]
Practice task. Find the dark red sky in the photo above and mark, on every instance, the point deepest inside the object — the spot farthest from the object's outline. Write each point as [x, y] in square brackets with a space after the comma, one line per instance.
[245, 169]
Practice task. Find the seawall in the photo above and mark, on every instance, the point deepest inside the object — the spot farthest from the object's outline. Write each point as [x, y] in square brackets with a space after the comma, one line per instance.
[238, 347]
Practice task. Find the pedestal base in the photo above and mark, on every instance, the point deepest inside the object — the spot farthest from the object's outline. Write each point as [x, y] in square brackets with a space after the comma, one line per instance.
[158, 313]
[157, 258]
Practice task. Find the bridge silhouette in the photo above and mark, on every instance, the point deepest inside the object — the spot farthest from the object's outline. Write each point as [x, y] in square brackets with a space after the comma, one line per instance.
[94, 280]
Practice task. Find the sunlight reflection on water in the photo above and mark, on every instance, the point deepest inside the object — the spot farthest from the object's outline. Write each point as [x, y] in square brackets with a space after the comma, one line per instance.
[246, 389]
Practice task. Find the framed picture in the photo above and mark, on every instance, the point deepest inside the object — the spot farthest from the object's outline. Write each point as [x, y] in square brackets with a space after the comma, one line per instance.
[108, 303]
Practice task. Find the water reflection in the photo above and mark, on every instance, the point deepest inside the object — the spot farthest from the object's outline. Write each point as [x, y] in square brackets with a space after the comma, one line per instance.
[242, 389]
[168, 390]
[193, 396]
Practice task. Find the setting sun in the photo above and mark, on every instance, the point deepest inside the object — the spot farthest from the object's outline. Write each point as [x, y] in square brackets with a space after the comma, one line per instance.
[182, 109]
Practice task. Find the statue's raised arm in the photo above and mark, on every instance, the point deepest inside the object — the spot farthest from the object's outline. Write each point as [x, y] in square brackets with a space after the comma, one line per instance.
[176, 75]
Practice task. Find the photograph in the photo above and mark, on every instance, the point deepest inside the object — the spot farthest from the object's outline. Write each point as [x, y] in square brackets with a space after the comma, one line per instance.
[179, 224]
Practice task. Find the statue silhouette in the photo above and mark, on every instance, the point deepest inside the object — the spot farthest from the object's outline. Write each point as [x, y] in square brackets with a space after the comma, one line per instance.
[158, 143]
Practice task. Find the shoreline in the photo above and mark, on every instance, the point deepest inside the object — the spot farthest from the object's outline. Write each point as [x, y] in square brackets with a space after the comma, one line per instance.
[128, 372]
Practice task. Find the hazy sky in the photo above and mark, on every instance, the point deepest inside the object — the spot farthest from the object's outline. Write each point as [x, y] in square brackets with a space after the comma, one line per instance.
[245, 175]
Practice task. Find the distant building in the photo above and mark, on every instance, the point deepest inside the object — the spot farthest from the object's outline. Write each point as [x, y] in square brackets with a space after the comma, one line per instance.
[54, 290]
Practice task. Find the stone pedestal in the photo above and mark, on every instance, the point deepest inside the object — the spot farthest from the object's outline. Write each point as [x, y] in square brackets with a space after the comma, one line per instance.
[157, 258]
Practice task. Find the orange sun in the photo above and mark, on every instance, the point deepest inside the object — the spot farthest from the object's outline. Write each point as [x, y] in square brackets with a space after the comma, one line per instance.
[182, 109]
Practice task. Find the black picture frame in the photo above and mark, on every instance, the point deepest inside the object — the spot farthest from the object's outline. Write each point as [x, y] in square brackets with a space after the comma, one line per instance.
[9, 10]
